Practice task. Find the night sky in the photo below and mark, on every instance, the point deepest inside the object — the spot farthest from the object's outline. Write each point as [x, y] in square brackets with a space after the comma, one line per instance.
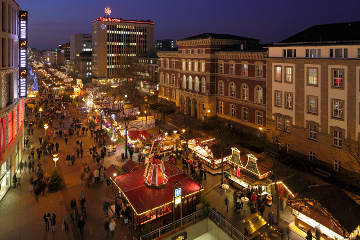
[52, 22]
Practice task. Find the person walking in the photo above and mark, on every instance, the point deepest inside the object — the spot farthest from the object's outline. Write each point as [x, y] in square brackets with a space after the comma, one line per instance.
[53, 222]
[40, 140]
[309, 235]
[14, 180]
[73, 204]
[81, 152]
[72, 159]
[37, 192]
[46, 218]
[227, 204]
[112, 226]
[66, 140]
[262, 209]
[29, 166]
[66, 221]
[106, 227]
[235, 196]
[57, 146]
[106, 207]
[81, 225]
[96, 175]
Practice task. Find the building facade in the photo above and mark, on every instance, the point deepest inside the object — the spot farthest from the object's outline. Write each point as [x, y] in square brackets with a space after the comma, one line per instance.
[313, 97]
[79, 43]
[11, 106]
[189, 76]
[63, 54]
[115, 40]
[50, 57]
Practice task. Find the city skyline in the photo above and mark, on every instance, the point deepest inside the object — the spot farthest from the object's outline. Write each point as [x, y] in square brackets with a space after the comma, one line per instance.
[51, 24]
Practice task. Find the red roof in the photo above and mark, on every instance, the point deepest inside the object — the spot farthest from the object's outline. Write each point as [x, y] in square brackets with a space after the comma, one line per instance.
[144, 198]
[133, 135]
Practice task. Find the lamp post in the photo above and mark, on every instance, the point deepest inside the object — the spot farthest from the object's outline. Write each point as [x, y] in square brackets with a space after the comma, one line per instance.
[40, 110]
[46, 127]
[55, 158]
[206, 116]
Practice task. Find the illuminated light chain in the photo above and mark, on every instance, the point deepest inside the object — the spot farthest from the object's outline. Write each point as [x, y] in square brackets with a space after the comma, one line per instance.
[7, 131]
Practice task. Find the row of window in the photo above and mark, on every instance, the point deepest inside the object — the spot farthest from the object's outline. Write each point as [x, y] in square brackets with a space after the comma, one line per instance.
[190, 84]
[193, 51]
[288, 99]
[244, 115]
[337, 163]
[244, 92]
[316, 53]
[173, 93]
[244, 69]
[283, 123]
[312, 76]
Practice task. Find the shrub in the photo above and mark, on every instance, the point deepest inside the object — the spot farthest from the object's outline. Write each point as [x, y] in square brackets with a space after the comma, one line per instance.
[44, 143]
[40, 123]
[55, 180]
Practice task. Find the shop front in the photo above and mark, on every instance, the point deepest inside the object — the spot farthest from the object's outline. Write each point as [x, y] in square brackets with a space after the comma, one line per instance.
[5, 178]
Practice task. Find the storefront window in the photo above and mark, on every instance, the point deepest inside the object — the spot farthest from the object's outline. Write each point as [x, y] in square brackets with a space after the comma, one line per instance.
[5, 179]
[147, 217]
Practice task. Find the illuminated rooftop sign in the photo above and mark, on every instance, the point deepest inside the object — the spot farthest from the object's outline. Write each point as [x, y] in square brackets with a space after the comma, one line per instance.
[107, 11]
[102, 19]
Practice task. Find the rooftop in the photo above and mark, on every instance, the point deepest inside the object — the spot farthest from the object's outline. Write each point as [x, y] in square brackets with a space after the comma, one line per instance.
[217, 36]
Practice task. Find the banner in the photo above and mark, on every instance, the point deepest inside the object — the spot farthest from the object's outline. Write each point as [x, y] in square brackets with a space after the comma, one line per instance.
[23, 63]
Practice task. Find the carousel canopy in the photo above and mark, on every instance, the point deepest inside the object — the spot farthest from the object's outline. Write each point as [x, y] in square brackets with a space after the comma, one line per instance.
[155, 173]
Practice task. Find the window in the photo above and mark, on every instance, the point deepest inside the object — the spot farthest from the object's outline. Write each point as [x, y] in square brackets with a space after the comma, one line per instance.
[278, 74]
[331, 53]
[221, 88]
[184, 82]
[338, 53]
[312, 76]
[287, 124]
[288, 100]
[203, 84]
[312, 132]
[259, 71]
[167, 79]
[245, 92]
[232, 68]
[183, 51]
[162, 63]
[259, 118]
[190, 83]
[173, 64]
[259, 95]
[162, 91]
[312, 104]
[233, 110]
[196, 66]
[196, 51]
[184, 65]
[167, 63]
[162, 77]
[173, 94]
[337, 138]
[202, 51]
[202, 66]
[337, 165]
[245, 114]
[232, 90]
[338, 108]
[245, 70]
[288, 74]
[221, 107]
[196, 84]
[289, 52]
[278, 98]
[221, 68]
[168, 92]
[358, 53]
[312, 157]
[189, 66]
[279, 122]
[338, 77]
[311, 53]
[173, 79]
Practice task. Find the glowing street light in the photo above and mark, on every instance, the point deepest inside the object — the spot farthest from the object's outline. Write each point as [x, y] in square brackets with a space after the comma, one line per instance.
[46, 127]
[55, 158]
[40, 110]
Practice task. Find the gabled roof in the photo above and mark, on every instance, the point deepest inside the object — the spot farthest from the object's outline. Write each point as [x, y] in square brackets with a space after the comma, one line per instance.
[340, 205]
[347, 31]
[217, 36]
[295, 184]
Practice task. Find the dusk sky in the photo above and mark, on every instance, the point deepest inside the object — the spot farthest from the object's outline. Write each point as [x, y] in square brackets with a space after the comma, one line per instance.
[52, 22]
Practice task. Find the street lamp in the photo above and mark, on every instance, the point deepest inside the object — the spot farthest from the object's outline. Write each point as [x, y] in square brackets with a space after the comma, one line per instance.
[55, 158]
[46, 127]
[40, 110]
[206, 115]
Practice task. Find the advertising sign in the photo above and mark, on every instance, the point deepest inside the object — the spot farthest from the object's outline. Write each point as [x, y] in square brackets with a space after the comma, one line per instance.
[23, 64]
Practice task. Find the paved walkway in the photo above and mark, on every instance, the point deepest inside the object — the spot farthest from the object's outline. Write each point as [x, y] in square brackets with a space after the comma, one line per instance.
[21, 217]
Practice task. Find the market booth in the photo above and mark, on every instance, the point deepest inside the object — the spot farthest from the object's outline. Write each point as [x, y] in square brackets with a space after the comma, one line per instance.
[248, 172]
[150, 193]
[329, 209]
[208, 151]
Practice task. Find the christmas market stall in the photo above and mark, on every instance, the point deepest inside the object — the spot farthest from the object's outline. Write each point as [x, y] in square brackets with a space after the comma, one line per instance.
[209, 152]
[249, 172]
[163, 144]
[327, 210]
[151, 196]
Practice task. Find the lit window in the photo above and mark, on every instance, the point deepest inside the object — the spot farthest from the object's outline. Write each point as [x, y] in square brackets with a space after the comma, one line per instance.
[190, 83]
[245, 114]
[288, 74]
[338, 77]
[312, 76]
[173, 65]
[232, 68]
[184, 82]
[221, 107]
[203, 84]
[312, 104]
[173, 79]
[312, 132]
[245, 70]
[202, 66]
[337, 138]
[167, 63]
[167, 79]
[287, 124]
[196, 66]
[232, 90]
[245, 92]
[184, 65]
[162, 77]
[259, 95]
[221, 88]
[289, 100]
[338, 108]
[279, 123]
[278, 74]
[259, 71]
[233, 110]
[259, 118]
[196, 84]
[278, 98]
[189, 66]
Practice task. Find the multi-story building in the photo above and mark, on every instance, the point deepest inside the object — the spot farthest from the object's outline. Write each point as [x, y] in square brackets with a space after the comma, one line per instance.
[164, 45]
[50, 57]
[81, 66]
[79, 43]
[63, 54]
[241, 86]
[115, 41]
[313, 100]
[11, 106]
[188, 76]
